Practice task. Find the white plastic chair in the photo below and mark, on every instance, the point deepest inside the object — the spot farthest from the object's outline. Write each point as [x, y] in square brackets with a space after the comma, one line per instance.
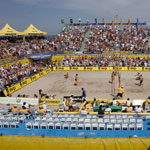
[36, 125]
[43, 125]
[13, 125]
[133, 120]
[58, 125]
[87, 120]
[100, 120]
[62, 120]
[102, 126]
[95, 126]
[125, 126]
[50, 125]
[93, 120]
[109, 126]
[131, 126]
[119, 121]
[113, 121]
[87, 126]
[117, 126]
[69, 120]
[139, 126]
[75, 120]
[65, 126]
[73, 126]
[81, 120]
[80, 126]
[28, 124]
[139, 121]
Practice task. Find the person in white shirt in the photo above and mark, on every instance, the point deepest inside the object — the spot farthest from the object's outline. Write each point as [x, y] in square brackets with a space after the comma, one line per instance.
[114, 102]
[138, 109]
[128, 102]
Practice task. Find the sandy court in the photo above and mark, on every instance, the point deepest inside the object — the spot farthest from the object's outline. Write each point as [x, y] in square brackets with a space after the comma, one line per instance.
[96, 83]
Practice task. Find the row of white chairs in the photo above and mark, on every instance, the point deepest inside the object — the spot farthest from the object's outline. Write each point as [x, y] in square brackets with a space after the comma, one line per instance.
[13, 118]
[84, 126]
[85, 120]
[7, 124]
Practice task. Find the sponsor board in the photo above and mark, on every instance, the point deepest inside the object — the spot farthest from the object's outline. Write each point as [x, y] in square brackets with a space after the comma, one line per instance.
[146, 69]
[77, 68]
[18, 100]
[14, 88]
[25, 82]
[106, 68]
[135, 69]
[52, 102]
[91, 68]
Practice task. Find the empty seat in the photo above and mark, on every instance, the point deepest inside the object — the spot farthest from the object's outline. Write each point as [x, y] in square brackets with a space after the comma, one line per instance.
[73, 126]
[38, 118]
[6, 124]
[81, 120]
[68, 120]
[117, 127]
[87, 120]
[109, 126]
[14, 124]
[140, 121]
[58, 125]
[28, 124]
[118, 117]
[106, 120]
[119, 121]
[112, 117]
[125, 120]
[131, 126]
[62, 119]
[139, 126]
[95, 126]
[87, 126]
[113, 120]
[80, 126]
[124, 126]
[102, 126]
[93, 120]
[130, 117]
[50, 125]
[75, 120]
[106, 117]
[133, 120]
[65, 126]
[56, 120]
[43, 125]
[89, 116]
[100, 120]
[36, 125]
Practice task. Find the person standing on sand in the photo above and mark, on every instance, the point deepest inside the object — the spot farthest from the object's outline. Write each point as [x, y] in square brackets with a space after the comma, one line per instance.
[76, 80]
[141, 80]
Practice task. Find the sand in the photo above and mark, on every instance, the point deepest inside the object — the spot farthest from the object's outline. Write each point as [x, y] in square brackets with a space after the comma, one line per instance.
[96, 83]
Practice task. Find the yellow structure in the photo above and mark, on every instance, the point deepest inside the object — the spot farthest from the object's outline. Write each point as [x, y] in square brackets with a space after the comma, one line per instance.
[32, 30]
[8, 30]
[69, 143]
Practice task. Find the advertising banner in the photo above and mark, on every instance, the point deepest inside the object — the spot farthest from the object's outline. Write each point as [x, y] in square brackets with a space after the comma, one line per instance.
[18, 100]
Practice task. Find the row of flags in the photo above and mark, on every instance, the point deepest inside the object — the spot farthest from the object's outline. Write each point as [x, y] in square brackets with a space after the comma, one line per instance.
[103, 20]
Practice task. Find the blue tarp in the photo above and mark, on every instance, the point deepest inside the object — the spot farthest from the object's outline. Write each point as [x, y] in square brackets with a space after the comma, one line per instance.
[39, 56]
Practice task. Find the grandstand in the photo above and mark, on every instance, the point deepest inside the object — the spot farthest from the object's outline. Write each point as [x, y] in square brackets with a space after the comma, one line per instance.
[37, 100]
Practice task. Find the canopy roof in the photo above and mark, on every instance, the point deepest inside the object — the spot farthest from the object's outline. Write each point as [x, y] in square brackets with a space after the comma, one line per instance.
[8, 30]
[32, 30]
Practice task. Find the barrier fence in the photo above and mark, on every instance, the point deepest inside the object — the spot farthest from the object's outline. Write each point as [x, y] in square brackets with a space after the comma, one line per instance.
[62, 143]
[25, 82]
[100, 68]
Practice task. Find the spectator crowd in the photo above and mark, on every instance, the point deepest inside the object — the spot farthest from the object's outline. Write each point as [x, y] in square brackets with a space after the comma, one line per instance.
[105, 61]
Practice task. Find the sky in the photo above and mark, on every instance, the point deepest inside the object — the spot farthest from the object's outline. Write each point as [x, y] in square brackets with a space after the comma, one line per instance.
[46, 15]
